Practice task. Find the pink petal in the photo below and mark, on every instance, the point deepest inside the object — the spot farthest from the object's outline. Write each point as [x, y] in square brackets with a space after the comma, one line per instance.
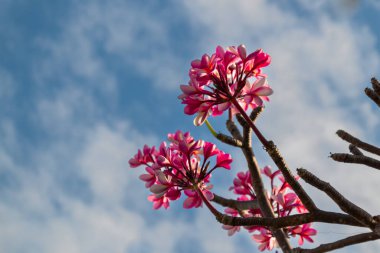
[200, 118]
[133, 163]
[223, 160]
[158, 189]
[209, 195]
[196, 63]
[162, 177]
[260, 82]
[146, 177]
[242, 51]
[264, 91]
[209, 150]
[189, 203]
[187, 89]
[224, 106]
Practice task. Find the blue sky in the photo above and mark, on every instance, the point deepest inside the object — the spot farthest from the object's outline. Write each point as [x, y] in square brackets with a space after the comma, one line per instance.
[84, 84]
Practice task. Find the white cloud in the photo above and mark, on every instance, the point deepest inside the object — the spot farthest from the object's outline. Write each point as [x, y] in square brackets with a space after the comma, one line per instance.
[133, 36]
[44, 217]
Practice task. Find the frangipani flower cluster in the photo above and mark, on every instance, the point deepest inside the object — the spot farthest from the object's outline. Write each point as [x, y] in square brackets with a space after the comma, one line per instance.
[183, 165]
[229, 79]
[283, 201]
[226, 79]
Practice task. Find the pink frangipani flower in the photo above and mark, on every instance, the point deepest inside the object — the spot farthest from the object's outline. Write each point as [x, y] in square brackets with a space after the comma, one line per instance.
[304, 232]
[227, 76]
[283, 202]
[182, 165]
[265, 240]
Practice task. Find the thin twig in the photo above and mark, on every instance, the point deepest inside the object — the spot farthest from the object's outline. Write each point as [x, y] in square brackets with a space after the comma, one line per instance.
[358, 143]
[255, 113]
[372, 95]
[360, 159]
[279, 161]
[375, 85]
[354, 150]
[229, 140]
[247, 131]
[297, 188]
[241, 120]
[351, 240]
[232, 128]
[235, 204]
[344, 204]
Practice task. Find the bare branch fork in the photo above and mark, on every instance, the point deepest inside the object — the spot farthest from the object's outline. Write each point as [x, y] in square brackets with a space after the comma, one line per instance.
[352, 215]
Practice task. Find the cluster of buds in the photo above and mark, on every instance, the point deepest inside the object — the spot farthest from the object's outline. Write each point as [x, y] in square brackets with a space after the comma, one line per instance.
[227, 79]
[283, 201]
[183, 165]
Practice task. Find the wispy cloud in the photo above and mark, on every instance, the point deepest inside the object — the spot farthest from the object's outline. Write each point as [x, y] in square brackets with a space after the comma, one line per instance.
[74, 192]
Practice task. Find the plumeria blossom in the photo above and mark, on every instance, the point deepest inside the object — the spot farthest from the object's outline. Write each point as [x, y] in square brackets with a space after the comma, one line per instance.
[227, 76]
[265, 239]
[183, 165]
[304, 232]
[283, 200]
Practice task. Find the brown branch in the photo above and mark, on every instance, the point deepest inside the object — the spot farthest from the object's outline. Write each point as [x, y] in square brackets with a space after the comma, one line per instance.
[255, 113]
[279, 161]
[241, 120]
[292, 220]
[358, 143]
[232, 128]
[372, 95]
[351, 240]
[260, 192]
[235, 204]
[375, 85]
[344, 204]
[354, 150]
[253, 116]
[247, 131]
[262, 199]
[297, 188]
[359, 159]
[229, 140]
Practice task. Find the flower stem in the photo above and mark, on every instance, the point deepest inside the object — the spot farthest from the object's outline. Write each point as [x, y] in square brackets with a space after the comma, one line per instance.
[251, 124]
[210, 128]
[208, 204]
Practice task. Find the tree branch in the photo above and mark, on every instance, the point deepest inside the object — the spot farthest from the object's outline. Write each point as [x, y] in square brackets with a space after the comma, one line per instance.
[344, 204]
[375, 85]
[372, 95]
[354, 150]
[351, 240]
[292, 220]
[235, 204]
[358, 143]
[259, 189]
[360, 159]
[297, 188]
[229, 140]
[232, 128]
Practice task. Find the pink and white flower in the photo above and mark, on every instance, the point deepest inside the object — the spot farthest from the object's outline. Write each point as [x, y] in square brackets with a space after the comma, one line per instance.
[265, 240]
[227, 75]
[283, 202]
[183, 165]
